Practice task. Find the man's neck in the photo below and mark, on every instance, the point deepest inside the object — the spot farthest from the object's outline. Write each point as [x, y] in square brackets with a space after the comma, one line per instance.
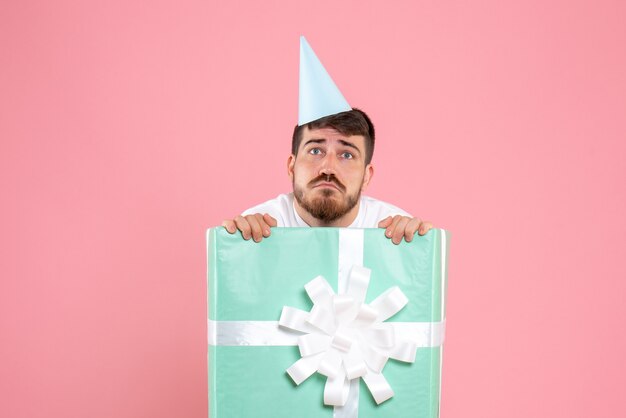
[345, 221]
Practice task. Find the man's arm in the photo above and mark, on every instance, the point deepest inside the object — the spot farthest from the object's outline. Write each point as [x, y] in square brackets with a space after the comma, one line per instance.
[400, 226]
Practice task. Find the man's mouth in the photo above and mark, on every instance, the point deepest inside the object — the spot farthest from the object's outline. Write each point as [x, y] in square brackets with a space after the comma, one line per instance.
[326, 185]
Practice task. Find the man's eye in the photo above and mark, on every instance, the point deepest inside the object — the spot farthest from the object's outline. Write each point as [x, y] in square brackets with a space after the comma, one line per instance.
[347, 155]
[315, 151]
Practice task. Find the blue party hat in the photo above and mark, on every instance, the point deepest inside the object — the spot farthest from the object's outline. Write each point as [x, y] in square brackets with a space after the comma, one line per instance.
[319, 95]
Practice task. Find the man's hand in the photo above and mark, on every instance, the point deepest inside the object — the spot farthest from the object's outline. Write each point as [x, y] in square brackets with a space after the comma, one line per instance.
[255, 226]
[403, 226]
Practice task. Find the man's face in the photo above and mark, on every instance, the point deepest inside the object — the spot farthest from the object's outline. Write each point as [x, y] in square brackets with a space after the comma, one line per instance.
[329, 173]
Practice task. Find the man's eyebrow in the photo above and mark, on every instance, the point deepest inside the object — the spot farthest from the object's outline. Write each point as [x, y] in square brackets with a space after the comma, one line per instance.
[314, 141]
[349, 144]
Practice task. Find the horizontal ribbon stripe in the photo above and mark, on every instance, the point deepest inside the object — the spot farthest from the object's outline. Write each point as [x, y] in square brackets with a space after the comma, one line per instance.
[268, 333]
[253, 333]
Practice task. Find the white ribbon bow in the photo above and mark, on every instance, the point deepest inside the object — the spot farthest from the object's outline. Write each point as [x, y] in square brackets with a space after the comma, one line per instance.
[345, 338]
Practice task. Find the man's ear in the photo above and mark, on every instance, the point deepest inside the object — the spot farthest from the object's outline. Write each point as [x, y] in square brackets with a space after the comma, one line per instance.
[367, 177]
[291, 162]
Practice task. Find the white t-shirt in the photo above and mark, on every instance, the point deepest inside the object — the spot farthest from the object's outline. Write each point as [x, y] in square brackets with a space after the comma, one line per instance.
[371, 211]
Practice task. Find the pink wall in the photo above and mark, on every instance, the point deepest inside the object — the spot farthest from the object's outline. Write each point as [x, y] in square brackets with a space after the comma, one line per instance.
[127, 129]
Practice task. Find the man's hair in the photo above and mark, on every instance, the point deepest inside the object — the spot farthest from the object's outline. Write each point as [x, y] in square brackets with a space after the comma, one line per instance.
[352, 122]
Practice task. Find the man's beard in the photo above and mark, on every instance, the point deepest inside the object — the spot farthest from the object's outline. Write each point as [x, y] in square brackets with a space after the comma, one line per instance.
[325, 208]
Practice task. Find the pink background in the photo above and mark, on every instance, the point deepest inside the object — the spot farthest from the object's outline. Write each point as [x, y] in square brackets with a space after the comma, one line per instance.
[127, 128]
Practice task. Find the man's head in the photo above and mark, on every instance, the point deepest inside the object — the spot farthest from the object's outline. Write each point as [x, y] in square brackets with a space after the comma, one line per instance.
[330, 165]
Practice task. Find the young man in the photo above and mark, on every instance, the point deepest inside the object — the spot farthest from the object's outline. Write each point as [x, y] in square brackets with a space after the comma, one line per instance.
[329, 166]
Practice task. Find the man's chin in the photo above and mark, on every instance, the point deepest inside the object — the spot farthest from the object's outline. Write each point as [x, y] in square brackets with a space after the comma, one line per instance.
[326, 204]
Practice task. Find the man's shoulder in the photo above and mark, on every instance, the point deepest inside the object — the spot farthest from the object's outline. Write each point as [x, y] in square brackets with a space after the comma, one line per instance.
[379, 205]
[374, 210]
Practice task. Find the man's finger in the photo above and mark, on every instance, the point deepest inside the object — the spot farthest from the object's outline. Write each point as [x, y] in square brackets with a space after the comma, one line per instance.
[243, 226]
[269, 220]
[398, 232]
[230, 226]
[425, 227]
[385, 222]
[392, 226]
[411, 228]
[255, 228]
[265, 228]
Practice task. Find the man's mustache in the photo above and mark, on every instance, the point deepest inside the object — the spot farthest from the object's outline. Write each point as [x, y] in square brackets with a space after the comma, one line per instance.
[328, 178]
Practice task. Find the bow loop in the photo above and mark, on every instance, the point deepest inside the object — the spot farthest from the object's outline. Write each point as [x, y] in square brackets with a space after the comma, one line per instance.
[330, 366]
[344, 307]
[323, 319]
[378, 386]
[310, 344]
[336, 390]
[295, 319]
[389, 303]
[365, 317]
[319, 291]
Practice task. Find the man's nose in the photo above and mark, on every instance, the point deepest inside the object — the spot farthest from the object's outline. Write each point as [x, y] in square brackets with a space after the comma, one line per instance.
[329, 164]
